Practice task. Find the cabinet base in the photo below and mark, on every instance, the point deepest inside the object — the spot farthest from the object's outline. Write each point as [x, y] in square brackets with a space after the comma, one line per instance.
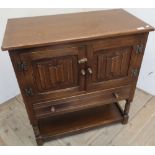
[83, 120]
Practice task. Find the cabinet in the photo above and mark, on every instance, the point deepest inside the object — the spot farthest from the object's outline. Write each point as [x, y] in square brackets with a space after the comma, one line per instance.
[74, 69]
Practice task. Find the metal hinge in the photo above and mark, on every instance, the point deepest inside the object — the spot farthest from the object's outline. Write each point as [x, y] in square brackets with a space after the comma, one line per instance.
[139, 49]
[135, 72]
[22, 66]
[28, 92]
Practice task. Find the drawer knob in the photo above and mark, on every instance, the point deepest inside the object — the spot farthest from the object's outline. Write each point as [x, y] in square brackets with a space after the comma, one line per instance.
[52, 109]
[83, 72]
[90, 70]
[116, 95]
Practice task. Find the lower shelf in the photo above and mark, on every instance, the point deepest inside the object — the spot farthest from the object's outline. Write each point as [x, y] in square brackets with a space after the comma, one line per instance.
[74, 122]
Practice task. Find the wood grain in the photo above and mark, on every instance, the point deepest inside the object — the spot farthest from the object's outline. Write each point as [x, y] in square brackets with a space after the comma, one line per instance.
[144, 116]
[49, 30]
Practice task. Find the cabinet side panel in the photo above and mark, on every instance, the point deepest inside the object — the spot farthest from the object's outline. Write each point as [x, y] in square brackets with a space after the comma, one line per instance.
[22, 84]
[137, 62]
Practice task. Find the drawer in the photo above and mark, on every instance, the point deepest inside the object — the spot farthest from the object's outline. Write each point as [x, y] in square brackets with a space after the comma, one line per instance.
[46, 109]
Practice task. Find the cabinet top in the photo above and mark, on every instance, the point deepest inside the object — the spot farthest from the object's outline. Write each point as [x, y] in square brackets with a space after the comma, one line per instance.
[48, 30]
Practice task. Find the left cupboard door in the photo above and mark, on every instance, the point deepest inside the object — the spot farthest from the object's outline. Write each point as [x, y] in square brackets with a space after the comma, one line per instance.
[53, 73]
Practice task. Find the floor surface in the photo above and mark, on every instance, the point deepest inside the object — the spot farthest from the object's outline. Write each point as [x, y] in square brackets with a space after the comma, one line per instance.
[16, 130]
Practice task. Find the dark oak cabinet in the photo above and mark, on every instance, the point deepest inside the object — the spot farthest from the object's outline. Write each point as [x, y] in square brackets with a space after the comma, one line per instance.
[74, 69]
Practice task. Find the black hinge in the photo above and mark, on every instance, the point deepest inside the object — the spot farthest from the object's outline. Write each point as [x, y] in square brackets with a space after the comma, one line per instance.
[22, 66]
[139, 49]
[28, 92]
[135, 72]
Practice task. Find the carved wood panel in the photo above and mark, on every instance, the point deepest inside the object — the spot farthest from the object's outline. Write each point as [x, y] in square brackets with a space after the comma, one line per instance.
[111, 64]
[56, 73]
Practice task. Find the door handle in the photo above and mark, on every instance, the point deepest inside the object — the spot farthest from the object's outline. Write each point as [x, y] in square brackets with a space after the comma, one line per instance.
[90, 70]
[83, 72]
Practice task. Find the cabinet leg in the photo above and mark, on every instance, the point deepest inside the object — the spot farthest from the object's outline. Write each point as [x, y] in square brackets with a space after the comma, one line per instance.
[126, 111]
[39, 141]
[38, 137]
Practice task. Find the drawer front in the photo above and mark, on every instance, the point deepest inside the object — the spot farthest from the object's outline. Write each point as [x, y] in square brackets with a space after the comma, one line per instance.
[115, 61]
[81, 102]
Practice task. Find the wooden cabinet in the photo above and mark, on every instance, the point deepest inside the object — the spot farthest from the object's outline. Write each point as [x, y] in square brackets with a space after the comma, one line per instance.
[74, 69]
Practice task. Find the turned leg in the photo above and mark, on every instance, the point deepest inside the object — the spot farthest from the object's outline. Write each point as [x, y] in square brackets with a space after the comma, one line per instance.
[37, 135]
[39, 141]
[125, 112]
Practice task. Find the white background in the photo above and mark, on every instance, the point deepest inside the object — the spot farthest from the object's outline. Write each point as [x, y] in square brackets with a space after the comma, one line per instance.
[8, 84]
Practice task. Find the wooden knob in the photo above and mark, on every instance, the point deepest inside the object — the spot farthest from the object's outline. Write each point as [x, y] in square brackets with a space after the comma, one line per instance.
[90, 70]
[116, 95]
[52, 109]
[83, 72]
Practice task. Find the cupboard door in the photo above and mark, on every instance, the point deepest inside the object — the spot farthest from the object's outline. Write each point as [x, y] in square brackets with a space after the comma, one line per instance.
[53, 73]
[114, 62]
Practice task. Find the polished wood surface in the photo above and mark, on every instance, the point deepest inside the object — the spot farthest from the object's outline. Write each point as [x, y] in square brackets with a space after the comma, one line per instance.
[49, 30]
[63, 82]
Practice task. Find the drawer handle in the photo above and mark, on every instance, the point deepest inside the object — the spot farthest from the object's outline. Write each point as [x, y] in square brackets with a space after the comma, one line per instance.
[83, 72]
[90, 70]
[116, 95]
[52, 109]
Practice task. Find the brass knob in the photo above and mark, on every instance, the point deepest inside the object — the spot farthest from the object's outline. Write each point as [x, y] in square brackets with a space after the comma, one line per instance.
[52, 109]
[83, 72]
[116, 95]
[90, 70]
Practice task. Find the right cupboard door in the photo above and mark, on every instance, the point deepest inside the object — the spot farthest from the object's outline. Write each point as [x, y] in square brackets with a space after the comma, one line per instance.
[114, 62]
